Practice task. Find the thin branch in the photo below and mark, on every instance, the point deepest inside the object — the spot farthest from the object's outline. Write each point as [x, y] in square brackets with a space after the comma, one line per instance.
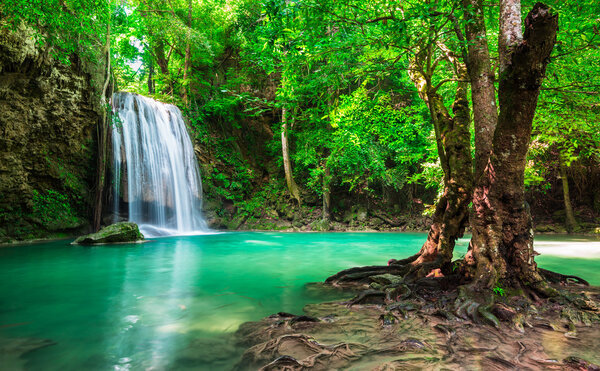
[588, 45]
[573, 91]
[379, 19]
[439, 85]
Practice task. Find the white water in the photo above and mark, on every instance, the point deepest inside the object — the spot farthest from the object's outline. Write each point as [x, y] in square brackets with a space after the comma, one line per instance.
[155, 167]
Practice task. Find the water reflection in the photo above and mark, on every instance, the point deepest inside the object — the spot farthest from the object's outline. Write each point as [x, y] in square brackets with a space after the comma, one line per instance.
[173, 303]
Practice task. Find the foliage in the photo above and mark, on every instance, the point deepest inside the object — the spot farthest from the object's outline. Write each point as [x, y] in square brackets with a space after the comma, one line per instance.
[258, 203]
[341, 70]
[499, 291]
[376, 143]
[66, 26]
[52, 208]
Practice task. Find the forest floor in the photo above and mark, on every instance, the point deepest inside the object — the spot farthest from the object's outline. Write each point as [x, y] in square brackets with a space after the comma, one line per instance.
[434, 330]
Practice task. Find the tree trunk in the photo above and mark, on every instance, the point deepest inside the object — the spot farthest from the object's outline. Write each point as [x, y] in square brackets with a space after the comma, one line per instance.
[151, 78]
[161, 59]
[502, 244]
[102, 133]
[326, 194]
[570, 222]
[485, 112]
[454, 149]
[510, 31]
[287, 164]
[157, 48]
[188, 57]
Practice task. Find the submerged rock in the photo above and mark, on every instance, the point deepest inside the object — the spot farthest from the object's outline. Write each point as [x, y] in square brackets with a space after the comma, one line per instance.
[13, 350]
[114, 233]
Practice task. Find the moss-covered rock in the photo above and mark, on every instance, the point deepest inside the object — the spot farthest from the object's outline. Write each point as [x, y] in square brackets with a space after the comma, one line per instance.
[321, 225]
[47, 148]
[114, 233]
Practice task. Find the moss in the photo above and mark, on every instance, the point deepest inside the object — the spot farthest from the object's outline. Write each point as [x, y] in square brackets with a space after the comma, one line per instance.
[320, 225]
[114, 233]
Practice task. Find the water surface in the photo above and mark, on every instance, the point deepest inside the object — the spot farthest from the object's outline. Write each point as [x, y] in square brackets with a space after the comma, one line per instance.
[172, 303]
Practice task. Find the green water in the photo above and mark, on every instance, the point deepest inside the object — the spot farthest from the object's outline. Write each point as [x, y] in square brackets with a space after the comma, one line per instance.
[173, 303]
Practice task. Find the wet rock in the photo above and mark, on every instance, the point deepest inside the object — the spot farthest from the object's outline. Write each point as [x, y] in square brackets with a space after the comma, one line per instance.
[115, 233]
[361, 214]
[12, 351]
[320, 225]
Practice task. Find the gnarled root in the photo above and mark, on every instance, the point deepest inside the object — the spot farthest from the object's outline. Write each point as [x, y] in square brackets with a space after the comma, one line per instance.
[554, 277]
[298, 352]
[361, 276]
[412, 268]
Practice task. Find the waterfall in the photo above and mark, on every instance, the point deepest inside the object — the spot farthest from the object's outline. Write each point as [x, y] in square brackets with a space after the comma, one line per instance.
[154, 167]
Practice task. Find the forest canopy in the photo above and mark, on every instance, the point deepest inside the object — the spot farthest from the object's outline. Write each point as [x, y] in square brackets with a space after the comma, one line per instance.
[332, 82]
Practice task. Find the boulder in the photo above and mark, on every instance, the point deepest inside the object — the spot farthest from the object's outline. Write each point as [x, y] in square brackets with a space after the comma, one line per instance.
[114, 233]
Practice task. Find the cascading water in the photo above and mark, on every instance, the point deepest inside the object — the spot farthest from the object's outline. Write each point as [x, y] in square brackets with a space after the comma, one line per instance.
[154, 167]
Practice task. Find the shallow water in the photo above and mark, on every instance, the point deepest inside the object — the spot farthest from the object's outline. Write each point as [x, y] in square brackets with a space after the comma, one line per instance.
[173, 302]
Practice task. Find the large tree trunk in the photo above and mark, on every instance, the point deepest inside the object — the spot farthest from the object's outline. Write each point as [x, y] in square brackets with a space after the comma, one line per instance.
[102, 133]
[161, 59]
[502, 244]
[485, 112]
[287, 163]
[570, 222]
[454, 149]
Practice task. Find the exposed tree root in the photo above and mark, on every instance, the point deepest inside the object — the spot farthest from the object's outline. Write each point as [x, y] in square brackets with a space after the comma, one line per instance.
[476, 322]
[396, 282]
[554, 277]
[456, 328]
[354, 277]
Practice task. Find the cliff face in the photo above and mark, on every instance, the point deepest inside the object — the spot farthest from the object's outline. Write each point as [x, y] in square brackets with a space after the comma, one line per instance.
[47, 140]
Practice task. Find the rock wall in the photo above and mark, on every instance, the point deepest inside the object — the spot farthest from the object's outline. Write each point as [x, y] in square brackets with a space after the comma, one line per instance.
[48, 120]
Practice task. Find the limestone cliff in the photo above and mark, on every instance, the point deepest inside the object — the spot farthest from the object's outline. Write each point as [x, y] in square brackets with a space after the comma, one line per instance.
[49, 114]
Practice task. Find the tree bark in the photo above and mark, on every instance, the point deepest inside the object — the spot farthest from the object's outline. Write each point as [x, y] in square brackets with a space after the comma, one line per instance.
[502, 244]
[161, 59]
[326, 194]
[158, 51]
[510, 31]
[102, 133]
[188, 57]
[570, 222]
[454, 149]
[287, 164]
[151, 78]
[485, 111]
